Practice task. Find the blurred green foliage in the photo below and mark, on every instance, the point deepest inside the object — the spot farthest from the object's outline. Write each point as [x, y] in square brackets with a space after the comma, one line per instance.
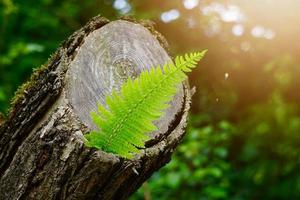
[244, 133]
[199, 169]
[31, 30]
[257, 158]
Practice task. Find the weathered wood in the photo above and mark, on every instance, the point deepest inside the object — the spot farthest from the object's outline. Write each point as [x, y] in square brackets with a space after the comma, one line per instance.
[42, 155]
[105, 60]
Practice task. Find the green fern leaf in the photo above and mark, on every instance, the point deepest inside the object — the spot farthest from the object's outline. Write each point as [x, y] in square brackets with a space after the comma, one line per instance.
[125, 122]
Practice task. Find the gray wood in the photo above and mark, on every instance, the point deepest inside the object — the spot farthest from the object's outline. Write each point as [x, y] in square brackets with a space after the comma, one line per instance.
[106, 59]
[42, 155]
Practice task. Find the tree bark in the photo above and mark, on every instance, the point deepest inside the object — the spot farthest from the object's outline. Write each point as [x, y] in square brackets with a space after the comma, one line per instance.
[42, 155]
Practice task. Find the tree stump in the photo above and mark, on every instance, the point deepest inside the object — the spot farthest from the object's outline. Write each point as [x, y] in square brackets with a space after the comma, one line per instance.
[42, 155]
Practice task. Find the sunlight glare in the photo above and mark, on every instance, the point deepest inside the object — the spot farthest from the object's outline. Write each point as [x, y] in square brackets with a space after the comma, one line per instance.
[258, 31]
[262, 32]
[170, 15]
[226, 76]
[229, 13]
[269, 34]
[238, 30]
[122, 6]
[190, 4]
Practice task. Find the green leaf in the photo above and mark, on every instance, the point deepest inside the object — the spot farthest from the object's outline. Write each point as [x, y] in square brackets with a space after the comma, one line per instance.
[128, 118]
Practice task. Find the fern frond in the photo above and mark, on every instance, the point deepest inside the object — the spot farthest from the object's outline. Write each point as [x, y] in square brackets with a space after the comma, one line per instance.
[123, 125]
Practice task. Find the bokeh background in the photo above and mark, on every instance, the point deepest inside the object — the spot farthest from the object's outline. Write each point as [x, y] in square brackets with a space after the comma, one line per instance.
[243, 139]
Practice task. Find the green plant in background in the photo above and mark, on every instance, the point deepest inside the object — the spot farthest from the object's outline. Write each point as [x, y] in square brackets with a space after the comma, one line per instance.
[257, 158]
[124, 125]
[199, 169]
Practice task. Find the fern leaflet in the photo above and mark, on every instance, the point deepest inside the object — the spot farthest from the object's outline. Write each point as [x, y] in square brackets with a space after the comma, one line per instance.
[123, 125]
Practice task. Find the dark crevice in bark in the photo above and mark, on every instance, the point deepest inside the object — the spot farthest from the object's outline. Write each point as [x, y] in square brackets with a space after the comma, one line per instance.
[101, 191]
[84, 158]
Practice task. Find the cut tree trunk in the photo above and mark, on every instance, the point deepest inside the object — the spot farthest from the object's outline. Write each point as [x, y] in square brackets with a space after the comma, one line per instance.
[42, 154]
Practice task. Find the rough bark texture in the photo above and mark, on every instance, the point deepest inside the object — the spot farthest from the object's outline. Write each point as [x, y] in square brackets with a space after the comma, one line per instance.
[42, 155]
